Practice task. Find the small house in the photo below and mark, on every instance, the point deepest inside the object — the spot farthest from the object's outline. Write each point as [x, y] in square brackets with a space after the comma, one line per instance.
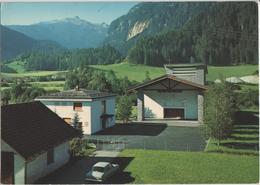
[95, 109]
[177, 95]
[34, 142]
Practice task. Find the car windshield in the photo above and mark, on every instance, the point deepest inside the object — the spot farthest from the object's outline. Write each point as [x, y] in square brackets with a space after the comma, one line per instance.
[98, 169]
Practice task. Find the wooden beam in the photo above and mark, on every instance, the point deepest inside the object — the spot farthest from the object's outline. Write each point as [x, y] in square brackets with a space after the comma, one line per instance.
[164, 85]
[176, 83]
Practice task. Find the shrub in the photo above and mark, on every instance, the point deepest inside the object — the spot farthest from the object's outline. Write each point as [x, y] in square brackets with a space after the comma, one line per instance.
[80, 148]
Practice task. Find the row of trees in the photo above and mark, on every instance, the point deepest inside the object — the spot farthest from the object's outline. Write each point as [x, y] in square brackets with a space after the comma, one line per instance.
[20, 92]
[89, 78]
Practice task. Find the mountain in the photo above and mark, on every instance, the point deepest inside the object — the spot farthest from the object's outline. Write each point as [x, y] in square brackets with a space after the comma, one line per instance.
[226, 35]
[147, 19]
[69, 33]
[14, 43]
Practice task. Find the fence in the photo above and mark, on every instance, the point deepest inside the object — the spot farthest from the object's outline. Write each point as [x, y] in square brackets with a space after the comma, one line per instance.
[146, 144]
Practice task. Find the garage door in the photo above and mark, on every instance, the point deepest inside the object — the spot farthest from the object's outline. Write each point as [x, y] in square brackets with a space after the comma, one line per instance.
[176, 113]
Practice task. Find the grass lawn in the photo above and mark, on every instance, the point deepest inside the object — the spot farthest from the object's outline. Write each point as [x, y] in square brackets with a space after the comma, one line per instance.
[157, 167]
[228, 71]
[132, 71]
[249, 87]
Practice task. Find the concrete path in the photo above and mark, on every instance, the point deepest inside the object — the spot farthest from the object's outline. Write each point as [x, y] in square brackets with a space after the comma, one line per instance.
[103, 153]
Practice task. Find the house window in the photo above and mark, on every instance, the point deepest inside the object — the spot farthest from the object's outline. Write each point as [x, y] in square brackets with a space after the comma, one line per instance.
[77, 106]
[50, 156]
[103, 107]
[68, 120]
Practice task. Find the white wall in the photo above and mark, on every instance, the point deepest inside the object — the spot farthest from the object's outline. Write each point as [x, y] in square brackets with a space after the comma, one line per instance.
[155, 102]
[152, 109]
[110, 109]
[96, 112]
[95, 116]
[39, 168]
[19, 171]
[90, 114]
[65, 110]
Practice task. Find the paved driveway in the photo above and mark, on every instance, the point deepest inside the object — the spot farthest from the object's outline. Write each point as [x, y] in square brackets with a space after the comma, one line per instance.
[151, 136]
[74, 172]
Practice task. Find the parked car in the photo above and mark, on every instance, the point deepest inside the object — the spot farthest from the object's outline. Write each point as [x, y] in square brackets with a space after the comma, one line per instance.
[101, 171]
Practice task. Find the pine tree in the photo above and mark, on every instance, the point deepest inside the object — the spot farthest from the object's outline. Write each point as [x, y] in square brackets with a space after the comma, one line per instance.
[77, 124]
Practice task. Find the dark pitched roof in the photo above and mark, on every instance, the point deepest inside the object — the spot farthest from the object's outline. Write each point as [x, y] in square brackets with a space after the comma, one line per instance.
[31, 128]
[167, 76]
[77, 94]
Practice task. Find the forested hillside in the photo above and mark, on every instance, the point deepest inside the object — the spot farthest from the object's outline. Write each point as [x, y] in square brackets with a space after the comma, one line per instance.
[68, 59]
[14, 43]
[225, 36]
[150, 18]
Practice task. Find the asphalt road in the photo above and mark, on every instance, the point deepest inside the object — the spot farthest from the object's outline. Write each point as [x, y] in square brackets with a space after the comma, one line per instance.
[144, 136]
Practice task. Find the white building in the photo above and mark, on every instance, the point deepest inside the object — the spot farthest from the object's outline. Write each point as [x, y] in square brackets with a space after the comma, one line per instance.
[34, 142]
[96, 110]
[177, 95]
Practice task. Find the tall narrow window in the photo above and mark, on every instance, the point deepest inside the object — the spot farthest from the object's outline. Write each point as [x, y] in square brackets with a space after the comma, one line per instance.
[77, 106]
[50, 156]
[103, 107]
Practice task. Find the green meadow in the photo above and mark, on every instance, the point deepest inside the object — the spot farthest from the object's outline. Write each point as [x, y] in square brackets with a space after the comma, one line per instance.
[161, 167]
[134, 72]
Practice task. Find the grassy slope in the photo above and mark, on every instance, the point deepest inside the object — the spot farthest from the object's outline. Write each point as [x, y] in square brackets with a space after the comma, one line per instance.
[133, 72]
[228, 71]
[243, 140]
[18, 66]
[150, 166]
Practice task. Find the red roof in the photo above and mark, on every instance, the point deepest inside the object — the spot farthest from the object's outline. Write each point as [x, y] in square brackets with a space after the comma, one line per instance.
[32, 128]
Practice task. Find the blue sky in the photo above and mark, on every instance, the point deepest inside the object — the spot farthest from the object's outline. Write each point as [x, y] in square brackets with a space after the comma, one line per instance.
[95, 12]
